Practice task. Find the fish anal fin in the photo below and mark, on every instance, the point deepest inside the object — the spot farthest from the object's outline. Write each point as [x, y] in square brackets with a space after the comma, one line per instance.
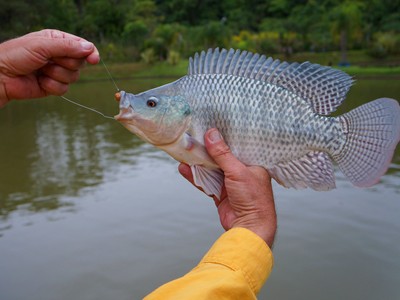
[313, 170]
[210, 180]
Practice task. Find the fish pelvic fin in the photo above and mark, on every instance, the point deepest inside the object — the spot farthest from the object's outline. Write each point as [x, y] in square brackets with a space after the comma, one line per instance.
[372, 133]
[313, 170]
[206, 173]
[210, 180]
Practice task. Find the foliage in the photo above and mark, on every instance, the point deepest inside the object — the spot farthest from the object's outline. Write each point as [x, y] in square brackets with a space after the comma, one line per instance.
[384, 44]
[173, 57]
[149, 56]
[154, 30]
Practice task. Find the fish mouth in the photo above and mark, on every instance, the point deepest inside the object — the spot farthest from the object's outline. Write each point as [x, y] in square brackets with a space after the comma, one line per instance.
[125, 114]
[126, 111]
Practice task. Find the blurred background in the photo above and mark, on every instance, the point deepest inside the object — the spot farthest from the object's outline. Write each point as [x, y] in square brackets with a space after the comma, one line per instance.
[88, 211]
[340, 31]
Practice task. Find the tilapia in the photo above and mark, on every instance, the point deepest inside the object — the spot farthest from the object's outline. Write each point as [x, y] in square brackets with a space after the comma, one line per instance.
[272, 114]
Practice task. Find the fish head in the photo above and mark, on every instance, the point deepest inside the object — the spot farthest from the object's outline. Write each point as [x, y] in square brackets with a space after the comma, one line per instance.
[159, 119]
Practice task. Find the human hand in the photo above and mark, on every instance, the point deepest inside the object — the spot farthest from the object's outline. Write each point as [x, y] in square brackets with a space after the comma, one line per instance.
[42, 63]
[247, 199]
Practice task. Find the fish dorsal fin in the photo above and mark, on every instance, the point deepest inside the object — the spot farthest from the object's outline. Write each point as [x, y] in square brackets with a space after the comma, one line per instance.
[324, 88]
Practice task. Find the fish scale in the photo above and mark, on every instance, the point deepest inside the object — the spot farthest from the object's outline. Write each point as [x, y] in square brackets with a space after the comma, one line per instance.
[271, 114]
[243, 108]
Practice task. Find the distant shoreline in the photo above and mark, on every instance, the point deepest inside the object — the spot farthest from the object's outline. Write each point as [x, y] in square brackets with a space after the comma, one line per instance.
[161, 70]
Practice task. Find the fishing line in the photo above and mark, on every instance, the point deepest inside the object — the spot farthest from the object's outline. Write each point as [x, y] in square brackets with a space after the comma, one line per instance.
[109, 74]
[86, 107]
[92, 109]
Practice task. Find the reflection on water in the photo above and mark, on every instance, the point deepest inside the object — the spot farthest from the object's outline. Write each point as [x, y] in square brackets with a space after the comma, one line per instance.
[102, 211]
[52, 148]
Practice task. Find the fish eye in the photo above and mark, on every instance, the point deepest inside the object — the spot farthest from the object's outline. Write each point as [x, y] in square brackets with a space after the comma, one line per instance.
[152, 102]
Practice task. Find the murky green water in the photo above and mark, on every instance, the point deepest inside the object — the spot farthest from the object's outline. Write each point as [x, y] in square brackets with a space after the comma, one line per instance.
[87, 211]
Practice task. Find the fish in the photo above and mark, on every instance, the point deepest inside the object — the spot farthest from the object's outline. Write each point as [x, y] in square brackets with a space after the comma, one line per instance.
[272, 114]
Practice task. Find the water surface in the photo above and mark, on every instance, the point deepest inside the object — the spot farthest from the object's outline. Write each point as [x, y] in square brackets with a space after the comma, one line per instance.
[87, 211]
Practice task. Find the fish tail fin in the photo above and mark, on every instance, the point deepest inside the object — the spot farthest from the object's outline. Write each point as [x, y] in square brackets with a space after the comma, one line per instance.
[372, 133]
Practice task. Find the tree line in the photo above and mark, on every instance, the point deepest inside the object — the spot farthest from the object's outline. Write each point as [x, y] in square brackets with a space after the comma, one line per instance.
[170, 29]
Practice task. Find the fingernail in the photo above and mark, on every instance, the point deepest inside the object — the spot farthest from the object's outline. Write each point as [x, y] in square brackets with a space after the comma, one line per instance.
[87, 45]
[214, 136]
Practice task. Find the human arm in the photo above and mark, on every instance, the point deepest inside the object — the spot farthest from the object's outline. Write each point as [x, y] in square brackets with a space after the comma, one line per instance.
[240, 261]
[235, 267]
[42, 63]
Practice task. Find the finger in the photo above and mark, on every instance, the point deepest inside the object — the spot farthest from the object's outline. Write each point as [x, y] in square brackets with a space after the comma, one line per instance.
[186, 172]
[60, 74]
[220, 152]
[52, 87]
[50, 48]
[54, 33]
[70, 63]
[222, 197]
[260, 173]
[92, 58]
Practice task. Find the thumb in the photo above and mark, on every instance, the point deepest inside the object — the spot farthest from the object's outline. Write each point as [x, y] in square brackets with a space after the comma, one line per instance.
[220, 152]
[64, 47]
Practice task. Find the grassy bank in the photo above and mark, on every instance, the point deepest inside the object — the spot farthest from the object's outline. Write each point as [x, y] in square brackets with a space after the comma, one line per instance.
[360, 65]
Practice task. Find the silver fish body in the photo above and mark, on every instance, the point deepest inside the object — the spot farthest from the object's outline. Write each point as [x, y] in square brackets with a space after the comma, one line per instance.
[274, 115]
[264, 124]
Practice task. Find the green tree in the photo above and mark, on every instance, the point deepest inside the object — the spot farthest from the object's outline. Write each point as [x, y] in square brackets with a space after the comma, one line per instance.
[17, 18]
[346, 18]
[103, 19]
[310, 22]
[184, 26]
[166, 38]
[141, 20]
[243, 14]
[190, 12]
[63, 15]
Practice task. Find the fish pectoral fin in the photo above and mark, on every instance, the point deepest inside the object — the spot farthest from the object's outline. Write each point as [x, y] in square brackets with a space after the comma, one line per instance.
[210, 180]
[313, 170]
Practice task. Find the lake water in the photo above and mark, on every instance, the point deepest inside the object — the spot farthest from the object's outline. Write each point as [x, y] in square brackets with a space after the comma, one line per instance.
[87, 211]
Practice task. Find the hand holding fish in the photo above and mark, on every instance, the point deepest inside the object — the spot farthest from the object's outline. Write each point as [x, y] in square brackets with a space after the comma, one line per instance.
[42, 63]
[241, 183]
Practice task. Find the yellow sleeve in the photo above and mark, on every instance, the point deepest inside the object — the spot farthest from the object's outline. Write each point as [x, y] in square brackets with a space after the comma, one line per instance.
[235, 267]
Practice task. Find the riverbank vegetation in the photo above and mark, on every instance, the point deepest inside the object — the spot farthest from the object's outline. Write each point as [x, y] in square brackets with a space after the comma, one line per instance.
[363, 67]
[334, 32]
